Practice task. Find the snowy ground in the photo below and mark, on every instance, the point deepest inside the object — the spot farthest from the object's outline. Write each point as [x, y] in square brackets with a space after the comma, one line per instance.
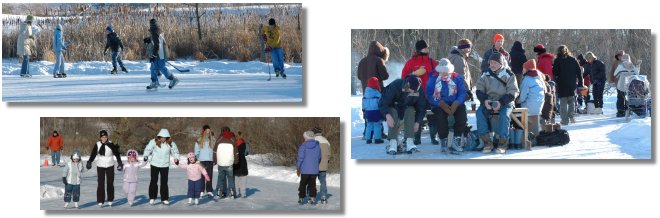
[592, 137]
[269, 188]
[210, 81]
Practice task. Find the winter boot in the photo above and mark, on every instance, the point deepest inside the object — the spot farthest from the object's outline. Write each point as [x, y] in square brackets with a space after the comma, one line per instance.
[378, 141]
[418, 138]
[301, 201]
[173, 82]
[123, 69]
[502, 145]
[410, 146]
[443, 145]
[456, 146]
[114, 70]
[488, 143]
[392, 148]
[368, 141]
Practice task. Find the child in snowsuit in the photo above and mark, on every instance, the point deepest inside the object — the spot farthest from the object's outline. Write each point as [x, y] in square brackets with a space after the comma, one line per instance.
[195, 172]
[131, 176]
[71, 179]
[372, 115]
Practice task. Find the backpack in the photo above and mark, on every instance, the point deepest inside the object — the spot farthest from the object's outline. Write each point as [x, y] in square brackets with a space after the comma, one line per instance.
[556, 138]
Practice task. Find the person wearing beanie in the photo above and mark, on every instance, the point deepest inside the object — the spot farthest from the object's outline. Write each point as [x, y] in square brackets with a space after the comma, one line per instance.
[273, 37]
[403, 104]
[518, 57]
[498, 47]
[496, 90]
[159, 57]
[421, 65]
[224, 157]
[160, 149]
[105, 150]
[446, 94]
[59, 46]
[307, 167]
[625, 69]
[373, 65]
[458, 58]
[545, 60]
[55, 144]
[204, 153]
[615, 64]
[532, 94]
[373, 118]
[114, 43]
[326, 154]
[598, 78]
[566, 70]
[26, 45]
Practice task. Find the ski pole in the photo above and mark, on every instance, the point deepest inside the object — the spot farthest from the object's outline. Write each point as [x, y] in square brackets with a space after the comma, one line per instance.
[182, 71]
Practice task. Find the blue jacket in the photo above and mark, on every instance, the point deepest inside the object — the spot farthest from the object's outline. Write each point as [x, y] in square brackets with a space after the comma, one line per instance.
[532, 94]
[309, 157]
[370, 105]
[444, 95]
[58, 41]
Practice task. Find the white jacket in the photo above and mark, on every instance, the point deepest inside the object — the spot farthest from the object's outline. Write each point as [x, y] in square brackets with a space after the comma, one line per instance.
[107, 160]
[622, 73]
[225, 154]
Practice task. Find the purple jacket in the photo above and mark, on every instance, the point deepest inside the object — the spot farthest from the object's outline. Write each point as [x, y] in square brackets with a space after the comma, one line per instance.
[309, 157]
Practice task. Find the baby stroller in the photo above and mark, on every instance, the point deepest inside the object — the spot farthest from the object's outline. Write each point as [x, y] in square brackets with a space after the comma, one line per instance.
[637, 96]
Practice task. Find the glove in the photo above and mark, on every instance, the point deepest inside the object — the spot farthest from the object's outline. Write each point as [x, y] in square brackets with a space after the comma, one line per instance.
[146, 158]
[263, 36]
[176, 161]
[268, 48]
[453, 108]
[89, 165]
[64, 180]
[298, 172]
[120, 167]
[445, 107]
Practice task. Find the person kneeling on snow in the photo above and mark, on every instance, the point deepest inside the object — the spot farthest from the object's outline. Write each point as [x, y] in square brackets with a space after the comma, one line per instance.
[158, 57]
[403, 103]
[71, 179]
[496, 90]
[446, 93]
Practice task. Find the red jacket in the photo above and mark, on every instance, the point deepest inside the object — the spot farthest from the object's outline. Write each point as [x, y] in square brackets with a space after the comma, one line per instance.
[545, 64]
[415, 63]
[55, 143]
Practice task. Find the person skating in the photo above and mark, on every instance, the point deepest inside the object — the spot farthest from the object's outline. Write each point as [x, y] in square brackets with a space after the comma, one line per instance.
[224, 157]
[159, 57]
[72, 179]
[59, 46]
[114, 43]
[326, 154]
[195, 171]
[204, 152]
[273, 36]
[240, 166]
[105, 150]
[131, 171]
[26, 45]
[161, 149]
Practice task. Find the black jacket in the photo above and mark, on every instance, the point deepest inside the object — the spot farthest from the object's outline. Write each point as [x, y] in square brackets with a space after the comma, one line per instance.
[596, 70]
[518, 57]
[567, 72]
[113, 42]
[394, 97]
[241, 169]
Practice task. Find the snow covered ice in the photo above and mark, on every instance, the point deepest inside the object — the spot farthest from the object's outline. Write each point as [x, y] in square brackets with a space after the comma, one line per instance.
[269, 188]
[209, 81]
[592, 137]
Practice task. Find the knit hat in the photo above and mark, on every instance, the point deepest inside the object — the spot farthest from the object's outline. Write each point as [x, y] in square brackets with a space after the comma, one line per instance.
[103, 133]
[55, 132]
[153, 25]
[30, 18]
[271, 22]
[373, 83]
[421, 44]
[539, 48]
[109, 28]
[413, 82]
[308, 135]
[164, 133]
[497, 37]
[530, 64]
[444, 66]
[497, 57]
[464, 43]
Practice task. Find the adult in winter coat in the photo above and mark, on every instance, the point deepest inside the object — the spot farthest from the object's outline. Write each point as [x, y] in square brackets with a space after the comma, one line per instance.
[373, 65]
[422, 65]
[326, 154]
[403, 104]
[55, 144]
[598, 79]
[566, 70]
[446, 94]
[113, 42]
[532, 94]
[372, 115]
[496, 90]
[498, 48]
[240, 168]
[71, 178]
[625, 69]
[544, 61]
[161, 149]
[58, 47]
[25, 45]
[159, 56]
[273, 37]
[225, 151]
[105, 150]
[307, 167]
[518, 58]
[204, 153]
[458, 57]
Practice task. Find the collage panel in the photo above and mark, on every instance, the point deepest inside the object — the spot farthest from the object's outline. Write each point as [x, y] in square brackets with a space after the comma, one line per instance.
[441, 93]
[243, 164]
[151, 52]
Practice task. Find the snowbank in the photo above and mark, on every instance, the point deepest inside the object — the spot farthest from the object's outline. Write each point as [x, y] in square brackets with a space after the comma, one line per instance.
[50, 192]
